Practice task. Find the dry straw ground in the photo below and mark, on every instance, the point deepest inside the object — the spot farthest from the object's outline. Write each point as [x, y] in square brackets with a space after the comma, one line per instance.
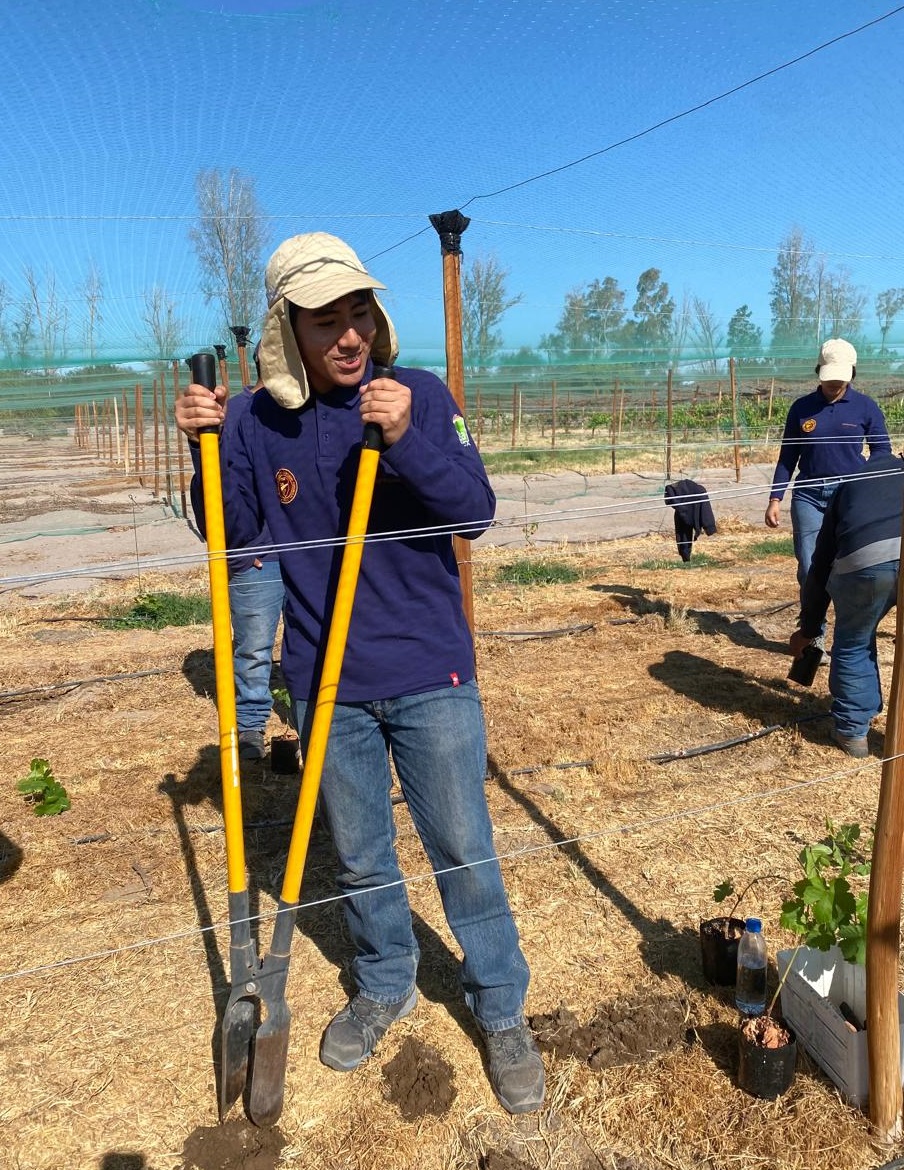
[106, 1050]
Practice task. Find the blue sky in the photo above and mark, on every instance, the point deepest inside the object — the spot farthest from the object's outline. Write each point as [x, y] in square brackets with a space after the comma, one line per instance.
[363, 118]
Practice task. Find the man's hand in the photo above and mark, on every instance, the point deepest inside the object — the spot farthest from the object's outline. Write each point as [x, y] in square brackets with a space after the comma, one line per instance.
[798, 643]
[772, 519]
[199, 407]
[388, 404]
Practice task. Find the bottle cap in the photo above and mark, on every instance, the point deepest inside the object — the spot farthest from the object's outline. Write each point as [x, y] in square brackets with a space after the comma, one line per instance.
[753, 925]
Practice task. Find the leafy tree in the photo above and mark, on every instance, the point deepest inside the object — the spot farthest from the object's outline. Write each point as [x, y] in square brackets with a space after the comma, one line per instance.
[164, 329]
[794, 301]
[889, 304]
[484, 303]
[525, 356]
[229, 240]
[653, 313]
[745, 340]
[604, 315]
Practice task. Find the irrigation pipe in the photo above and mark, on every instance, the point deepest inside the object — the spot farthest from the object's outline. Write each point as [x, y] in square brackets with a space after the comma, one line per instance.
[705, 749]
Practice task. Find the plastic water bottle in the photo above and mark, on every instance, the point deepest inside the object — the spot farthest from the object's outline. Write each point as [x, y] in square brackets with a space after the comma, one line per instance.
[750, 990]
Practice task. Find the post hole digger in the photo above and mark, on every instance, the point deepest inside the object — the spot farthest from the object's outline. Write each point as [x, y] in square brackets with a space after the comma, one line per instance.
[255, 1028]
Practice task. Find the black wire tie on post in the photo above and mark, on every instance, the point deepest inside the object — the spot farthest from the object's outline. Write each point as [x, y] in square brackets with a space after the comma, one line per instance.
[449, 226]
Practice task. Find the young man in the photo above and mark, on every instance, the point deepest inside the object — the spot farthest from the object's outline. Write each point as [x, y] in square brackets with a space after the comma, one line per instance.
[823, 440]
[408, 680]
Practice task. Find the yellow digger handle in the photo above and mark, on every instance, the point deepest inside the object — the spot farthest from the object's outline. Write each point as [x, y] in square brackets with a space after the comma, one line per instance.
[222, 656]
[329, 678]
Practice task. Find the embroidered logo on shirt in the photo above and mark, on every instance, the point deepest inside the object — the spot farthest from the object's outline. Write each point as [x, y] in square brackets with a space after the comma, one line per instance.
[286, 486]
[809, 425]
[461, 430]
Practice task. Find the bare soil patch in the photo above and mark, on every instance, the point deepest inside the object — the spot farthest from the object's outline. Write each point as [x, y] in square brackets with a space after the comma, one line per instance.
[115, 963]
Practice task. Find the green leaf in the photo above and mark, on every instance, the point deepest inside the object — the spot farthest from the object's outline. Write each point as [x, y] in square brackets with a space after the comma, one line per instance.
[723, 890]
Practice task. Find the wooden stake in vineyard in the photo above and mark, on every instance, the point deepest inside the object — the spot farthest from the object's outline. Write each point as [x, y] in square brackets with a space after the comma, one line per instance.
[241, 333]
[181, 442]
[449, 226]
[883, 928]
[668, 426]
[734, 419]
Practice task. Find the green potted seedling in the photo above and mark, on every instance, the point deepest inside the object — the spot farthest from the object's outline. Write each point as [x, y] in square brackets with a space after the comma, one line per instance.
[284, 751]
[719, 936]
[43, 791]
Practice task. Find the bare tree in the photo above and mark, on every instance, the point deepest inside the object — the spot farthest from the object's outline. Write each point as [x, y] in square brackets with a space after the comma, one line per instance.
[164, 329]
[484, 304]
[794, 300]
[889, 304]
[845, 304]
[707, 333]
[229, 240]
[93, 292]
[48, 315]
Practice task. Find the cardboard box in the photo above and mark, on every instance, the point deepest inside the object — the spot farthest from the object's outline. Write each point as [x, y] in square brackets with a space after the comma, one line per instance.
[818, 982]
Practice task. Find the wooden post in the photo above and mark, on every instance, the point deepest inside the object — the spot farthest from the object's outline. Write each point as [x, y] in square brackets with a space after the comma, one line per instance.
[612, 424]
[181, 442]
[96, 430]
[449, 226]
[167, 463]
[552, 441]
[125, 433]
[514, 413]
[668, 426]
[883, 928]
[771, 391]
[240, 333]
[156, 441]
[222, 365]
[734, 419]
[140, 466]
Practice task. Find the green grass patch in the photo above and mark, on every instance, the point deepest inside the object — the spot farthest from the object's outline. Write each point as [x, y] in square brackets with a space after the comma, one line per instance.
[698, 561]
[537, 572]
[775, 546]
[155, 611]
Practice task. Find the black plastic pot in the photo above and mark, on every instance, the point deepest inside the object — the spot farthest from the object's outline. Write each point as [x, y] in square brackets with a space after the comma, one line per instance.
[718, 952]
[284, 755]
[766, 1072]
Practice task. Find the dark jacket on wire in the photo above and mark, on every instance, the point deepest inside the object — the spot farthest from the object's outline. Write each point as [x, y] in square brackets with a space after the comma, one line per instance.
[693, 514]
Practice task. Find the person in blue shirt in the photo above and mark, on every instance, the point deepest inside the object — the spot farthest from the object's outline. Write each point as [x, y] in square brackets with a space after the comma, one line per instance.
[855, 565]
[823, 441]
[407, 688]
[255, 603]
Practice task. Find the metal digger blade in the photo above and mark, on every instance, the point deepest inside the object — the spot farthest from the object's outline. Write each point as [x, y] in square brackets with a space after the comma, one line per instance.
[268, 1067]
[236, 1036]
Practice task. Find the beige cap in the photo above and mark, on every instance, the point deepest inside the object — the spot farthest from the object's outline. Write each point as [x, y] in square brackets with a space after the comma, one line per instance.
[837, 359]
[310, 271]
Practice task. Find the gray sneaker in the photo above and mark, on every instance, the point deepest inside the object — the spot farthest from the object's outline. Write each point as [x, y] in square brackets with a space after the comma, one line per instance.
[854, 745]
[251, 745]
[353, 1034]
[516, 1069]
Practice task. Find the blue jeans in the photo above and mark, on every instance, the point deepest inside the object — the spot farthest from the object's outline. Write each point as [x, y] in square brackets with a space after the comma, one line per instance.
[808, 507]
[255, 603]
[861, 601]
[438, 745]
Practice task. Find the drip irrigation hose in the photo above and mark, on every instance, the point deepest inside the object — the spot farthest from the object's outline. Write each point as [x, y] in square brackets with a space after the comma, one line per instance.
[705, 749]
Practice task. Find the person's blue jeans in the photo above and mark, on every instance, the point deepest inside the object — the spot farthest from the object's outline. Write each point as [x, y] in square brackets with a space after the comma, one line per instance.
[438, 745]
[861, 601]
[808, 507]
[255, 603]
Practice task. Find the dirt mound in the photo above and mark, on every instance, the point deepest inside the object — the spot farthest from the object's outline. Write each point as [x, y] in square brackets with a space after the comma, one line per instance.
[619, 1033]
[419, 1081]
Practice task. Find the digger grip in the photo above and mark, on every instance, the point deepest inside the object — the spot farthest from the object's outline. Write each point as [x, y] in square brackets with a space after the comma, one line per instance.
[204, 372]
[373, 436]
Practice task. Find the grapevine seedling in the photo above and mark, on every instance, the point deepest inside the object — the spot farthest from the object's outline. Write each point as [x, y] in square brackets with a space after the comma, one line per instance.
[43, 792]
